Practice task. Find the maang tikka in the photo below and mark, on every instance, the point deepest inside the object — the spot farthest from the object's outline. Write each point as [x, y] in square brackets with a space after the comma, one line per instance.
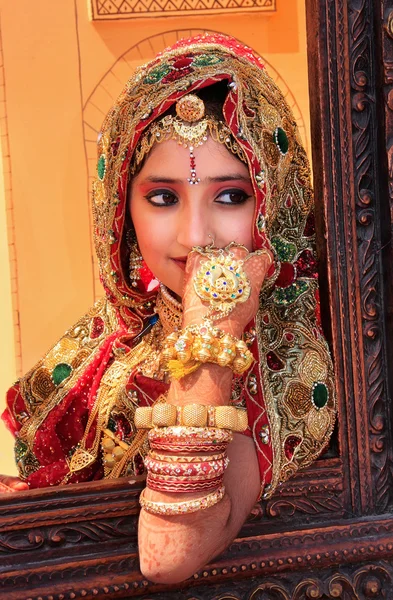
[191, 130]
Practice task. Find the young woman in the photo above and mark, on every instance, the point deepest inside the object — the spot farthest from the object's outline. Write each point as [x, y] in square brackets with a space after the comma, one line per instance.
[208, 345]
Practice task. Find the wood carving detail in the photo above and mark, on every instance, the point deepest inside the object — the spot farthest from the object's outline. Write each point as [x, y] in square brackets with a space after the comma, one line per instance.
[364, 125]
[369, 581]
[70, 534]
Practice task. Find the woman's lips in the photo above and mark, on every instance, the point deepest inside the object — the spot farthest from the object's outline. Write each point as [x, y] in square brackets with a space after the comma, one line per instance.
[180, 261]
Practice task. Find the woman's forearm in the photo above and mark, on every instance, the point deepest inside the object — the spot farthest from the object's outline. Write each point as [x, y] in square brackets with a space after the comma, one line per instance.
[209, 385]
[173, 548]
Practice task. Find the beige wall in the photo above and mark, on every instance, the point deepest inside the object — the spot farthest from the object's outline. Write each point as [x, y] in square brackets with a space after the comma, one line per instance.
[61, 72]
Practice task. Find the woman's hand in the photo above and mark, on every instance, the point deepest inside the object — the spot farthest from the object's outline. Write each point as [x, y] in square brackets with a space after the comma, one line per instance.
[12, 484]
[255, 266]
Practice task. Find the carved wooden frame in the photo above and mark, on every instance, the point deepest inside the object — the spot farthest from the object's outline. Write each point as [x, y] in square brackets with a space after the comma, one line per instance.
[329, 532]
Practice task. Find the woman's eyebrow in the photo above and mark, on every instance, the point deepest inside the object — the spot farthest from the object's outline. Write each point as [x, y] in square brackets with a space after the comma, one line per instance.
[214, 179]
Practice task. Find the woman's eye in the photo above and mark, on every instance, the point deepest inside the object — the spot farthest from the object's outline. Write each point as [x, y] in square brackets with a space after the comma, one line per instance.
[161, 198]
[232, 197]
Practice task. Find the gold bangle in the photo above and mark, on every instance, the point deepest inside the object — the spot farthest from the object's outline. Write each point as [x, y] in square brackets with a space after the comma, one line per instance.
[191, 434]
[181, 508]
[191, 415]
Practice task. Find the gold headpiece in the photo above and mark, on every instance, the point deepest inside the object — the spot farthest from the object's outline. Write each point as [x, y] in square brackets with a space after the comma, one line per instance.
[190, 108]
[190, 128]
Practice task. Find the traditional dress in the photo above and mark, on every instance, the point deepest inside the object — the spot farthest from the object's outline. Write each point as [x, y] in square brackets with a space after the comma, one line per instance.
[73, 413]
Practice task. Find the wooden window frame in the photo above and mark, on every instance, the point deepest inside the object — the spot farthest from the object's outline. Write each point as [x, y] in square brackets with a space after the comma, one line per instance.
[327, 533]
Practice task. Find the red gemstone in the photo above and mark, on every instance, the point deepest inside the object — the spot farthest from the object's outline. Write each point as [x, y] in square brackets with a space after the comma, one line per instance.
[182, 63]
[97, 327]
[289, 336]
[123, 427]
[306, 265]
[139, 465]
[266, 319]
[273, 362]
[309, 228]
[175, 75]
[288, 201]
[290, 445]
[287, 275]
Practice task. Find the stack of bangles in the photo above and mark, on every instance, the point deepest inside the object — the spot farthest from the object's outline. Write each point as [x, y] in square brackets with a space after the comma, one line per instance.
[189, 431]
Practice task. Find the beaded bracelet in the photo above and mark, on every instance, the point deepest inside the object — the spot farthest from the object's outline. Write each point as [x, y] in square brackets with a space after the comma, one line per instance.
[191, 415]
[181, 508]
[186, 350]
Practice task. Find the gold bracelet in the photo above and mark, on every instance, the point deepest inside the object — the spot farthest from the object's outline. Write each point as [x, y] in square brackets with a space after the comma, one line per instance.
[181, 508]
[185, 351]
[191, 415]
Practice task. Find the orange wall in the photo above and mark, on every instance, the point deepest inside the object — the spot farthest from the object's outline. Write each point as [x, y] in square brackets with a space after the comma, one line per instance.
[54, 58]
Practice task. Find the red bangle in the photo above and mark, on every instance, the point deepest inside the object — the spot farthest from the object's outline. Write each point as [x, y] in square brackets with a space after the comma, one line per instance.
[160, 485]
[190, 470]
[190, 447]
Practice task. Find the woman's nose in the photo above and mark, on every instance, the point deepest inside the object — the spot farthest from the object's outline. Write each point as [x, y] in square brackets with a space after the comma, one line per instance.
[194, 228]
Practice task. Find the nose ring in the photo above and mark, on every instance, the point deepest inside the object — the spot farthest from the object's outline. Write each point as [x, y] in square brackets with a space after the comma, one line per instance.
[211, 245]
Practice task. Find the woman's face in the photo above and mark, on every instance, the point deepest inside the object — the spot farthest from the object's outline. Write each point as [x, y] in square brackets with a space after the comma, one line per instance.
[171, 216]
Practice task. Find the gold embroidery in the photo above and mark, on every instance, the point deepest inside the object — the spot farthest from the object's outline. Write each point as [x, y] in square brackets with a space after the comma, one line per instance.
[312, 368]
[318, 423]
[42, 384]
[298, 399]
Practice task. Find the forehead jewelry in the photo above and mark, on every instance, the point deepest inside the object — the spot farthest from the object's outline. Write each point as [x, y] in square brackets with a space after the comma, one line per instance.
[191, 128]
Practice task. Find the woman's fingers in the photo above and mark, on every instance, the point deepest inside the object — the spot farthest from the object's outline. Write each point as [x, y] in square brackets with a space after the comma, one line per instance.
[12, 484]
[253, 266]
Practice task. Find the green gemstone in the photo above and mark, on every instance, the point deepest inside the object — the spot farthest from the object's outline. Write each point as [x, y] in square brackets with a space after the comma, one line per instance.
[281, 140]
[61, 372]
[286, 296]
[206, 60]
[20, 450]
[286, 251]
[112, 425]
[157, 74]
[101, 167]
[320, 395]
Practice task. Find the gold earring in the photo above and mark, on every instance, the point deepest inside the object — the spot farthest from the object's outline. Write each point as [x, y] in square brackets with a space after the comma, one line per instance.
[135, 261]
